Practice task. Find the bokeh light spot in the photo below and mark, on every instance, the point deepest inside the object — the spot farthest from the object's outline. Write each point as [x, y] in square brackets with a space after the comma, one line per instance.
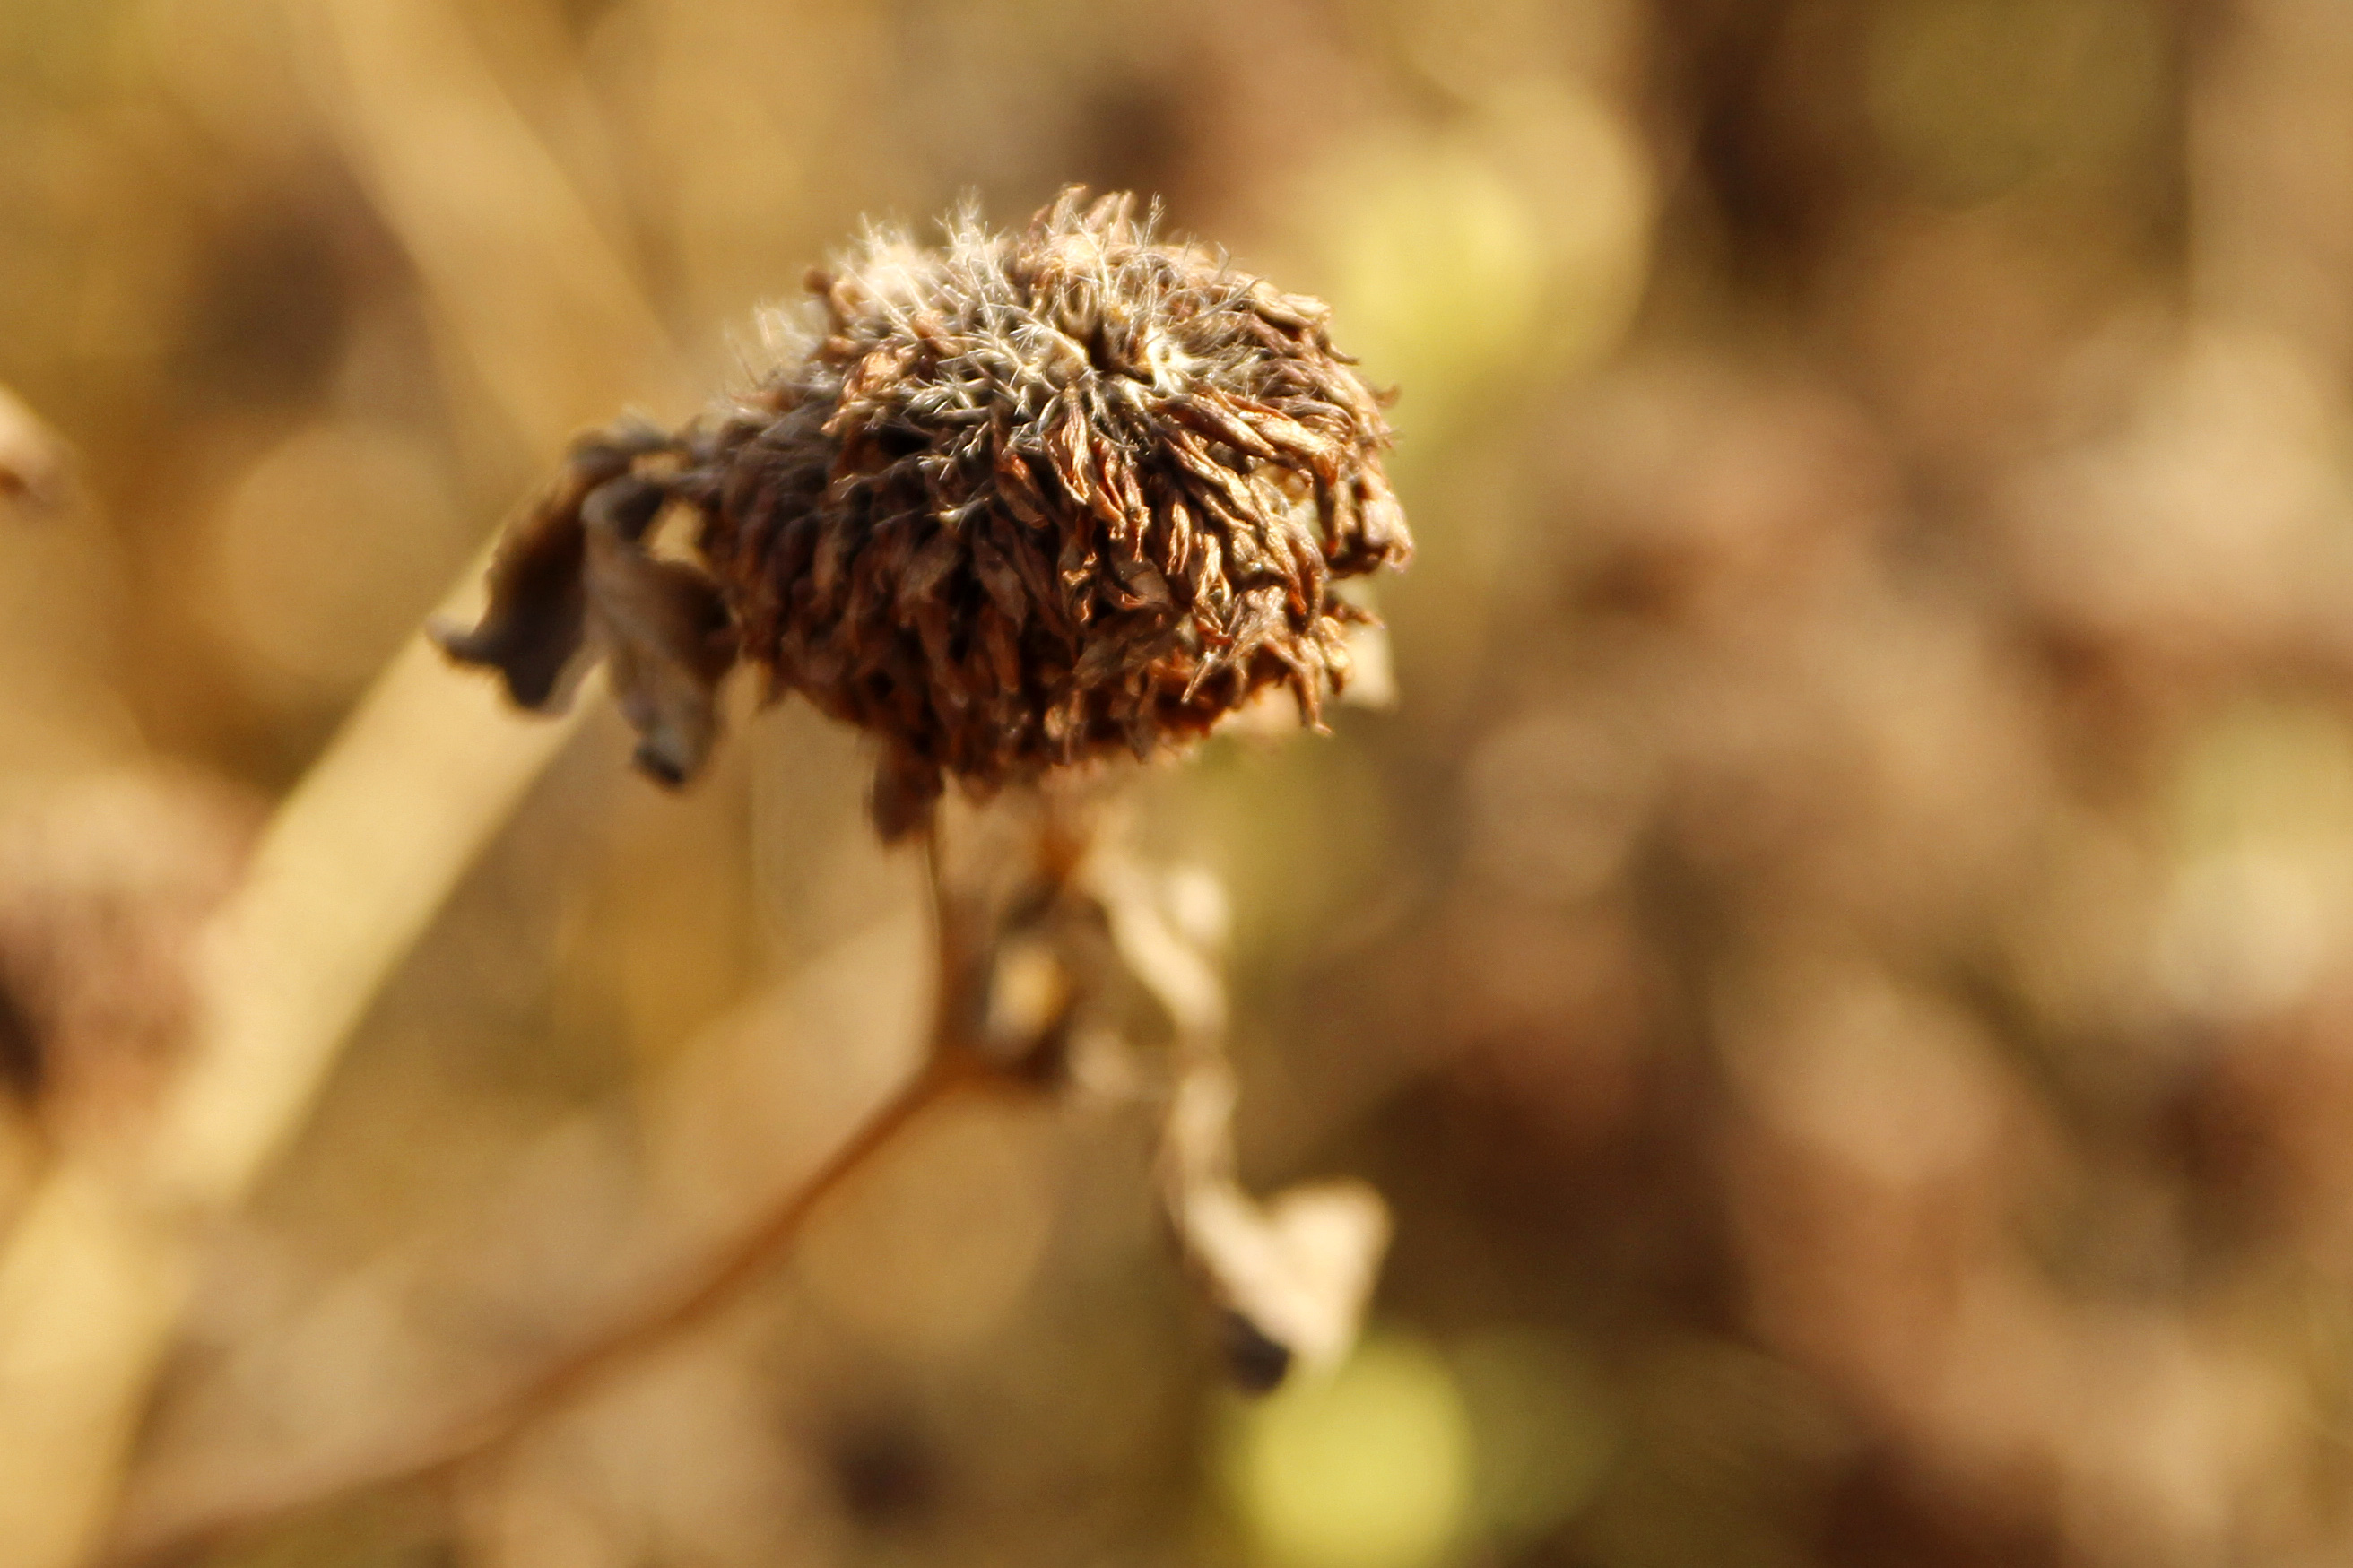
[1369, 1468]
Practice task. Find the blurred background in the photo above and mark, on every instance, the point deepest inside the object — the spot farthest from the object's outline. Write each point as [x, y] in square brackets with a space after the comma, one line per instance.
[1841, 956]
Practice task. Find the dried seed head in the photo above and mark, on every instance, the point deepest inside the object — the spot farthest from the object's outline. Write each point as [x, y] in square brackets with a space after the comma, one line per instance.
[1020, 500]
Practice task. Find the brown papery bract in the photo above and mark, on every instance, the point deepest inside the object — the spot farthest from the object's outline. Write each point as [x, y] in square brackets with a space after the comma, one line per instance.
[1016, 502]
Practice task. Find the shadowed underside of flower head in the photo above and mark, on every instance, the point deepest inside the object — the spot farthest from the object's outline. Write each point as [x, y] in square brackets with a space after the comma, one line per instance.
[1013, 502]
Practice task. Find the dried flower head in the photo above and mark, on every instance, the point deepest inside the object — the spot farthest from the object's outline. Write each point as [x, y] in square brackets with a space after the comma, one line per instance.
[1020, 500]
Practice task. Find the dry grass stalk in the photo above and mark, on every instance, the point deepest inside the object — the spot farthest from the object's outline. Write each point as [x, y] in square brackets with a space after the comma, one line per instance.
[94, 1278]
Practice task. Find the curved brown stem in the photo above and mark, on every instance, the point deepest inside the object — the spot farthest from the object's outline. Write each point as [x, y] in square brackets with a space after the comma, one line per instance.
[715, 1281]
[951, 1064]
[718, 1282]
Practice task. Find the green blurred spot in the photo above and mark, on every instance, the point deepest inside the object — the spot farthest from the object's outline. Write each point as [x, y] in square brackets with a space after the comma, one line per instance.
[1369, 1468]
[1463, 267]
[1544, 1431]
[1435, 270]
[1971, 98]
[2263, 775]
[2260, 829]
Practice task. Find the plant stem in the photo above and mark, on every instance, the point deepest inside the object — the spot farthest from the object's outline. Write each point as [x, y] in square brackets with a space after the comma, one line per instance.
[352, 868]
[951, 1064]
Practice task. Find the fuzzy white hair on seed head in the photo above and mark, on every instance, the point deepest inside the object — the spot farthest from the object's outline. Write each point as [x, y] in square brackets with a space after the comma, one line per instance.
[782, 338]
[896, 274]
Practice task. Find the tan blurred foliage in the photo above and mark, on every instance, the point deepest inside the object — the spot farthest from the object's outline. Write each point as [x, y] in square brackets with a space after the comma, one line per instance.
[1840, 959]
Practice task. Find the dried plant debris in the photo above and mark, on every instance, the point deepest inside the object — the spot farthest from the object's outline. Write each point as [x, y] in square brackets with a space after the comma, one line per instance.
[104, 887]
[1011, 503]
[1093, 971]
[1293, 1275]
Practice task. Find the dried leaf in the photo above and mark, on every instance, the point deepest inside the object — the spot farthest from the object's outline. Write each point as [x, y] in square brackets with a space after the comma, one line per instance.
[1295, 1273]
